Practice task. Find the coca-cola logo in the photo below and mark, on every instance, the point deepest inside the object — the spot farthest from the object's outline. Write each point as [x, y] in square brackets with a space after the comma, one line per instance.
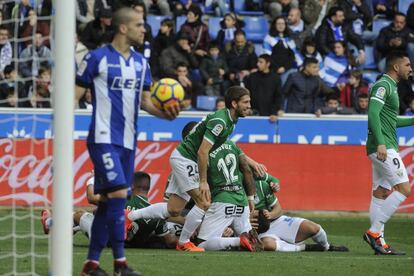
[26, 170]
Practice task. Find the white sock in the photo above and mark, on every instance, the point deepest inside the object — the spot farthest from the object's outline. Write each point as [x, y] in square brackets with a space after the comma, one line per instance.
[85, 223]
[321, 238]
[192, 221]
[374, 209]
[155, 211]
[388, 208]
[283, 246]
[216, 244]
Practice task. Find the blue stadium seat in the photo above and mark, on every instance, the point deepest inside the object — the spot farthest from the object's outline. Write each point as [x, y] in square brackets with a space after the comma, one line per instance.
[209, 9]
[207, 103]
[256, 28]
[403, 5]
[378, 24]
[155, 22]
[239, 8]
[214, 26]
[179, 21]
[370, 76]
[258, 47]
[369, 58]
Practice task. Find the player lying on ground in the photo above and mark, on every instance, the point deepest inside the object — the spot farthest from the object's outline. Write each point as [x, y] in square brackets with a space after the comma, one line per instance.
[284, 233]
[228, 170]
[149, 233]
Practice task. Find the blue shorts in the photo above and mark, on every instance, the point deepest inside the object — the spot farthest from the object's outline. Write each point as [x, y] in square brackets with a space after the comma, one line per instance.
[114, 167]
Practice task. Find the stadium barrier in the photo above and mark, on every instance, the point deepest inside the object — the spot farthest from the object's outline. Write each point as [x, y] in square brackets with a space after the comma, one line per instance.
[315, 173]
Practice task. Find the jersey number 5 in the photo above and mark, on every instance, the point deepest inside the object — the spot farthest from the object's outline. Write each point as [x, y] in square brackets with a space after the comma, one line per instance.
[107, 160]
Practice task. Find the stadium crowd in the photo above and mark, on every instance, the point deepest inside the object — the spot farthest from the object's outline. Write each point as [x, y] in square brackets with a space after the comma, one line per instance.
[295, 56]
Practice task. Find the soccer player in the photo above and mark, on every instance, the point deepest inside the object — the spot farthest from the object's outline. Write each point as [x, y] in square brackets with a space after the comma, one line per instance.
[228, 170]
[390, 179]
[119, 79]
[286, 234]
[189, 167]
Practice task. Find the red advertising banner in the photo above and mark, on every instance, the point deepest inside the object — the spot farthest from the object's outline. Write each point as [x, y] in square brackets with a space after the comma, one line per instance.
[313, 177]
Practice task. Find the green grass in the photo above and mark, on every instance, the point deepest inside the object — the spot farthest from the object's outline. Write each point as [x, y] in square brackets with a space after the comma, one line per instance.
[346, 230]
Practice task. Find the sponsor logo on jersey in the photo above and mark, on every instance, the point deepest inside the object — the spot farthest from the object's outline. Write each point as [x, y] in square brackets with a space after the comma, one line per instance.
[380, 92]
[217, 130]
[119, 83]
[111, 176]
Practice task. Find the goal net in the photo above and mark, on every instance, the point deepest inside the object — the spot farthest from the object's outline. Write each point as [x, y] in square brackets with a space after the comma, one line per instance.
[28, 82]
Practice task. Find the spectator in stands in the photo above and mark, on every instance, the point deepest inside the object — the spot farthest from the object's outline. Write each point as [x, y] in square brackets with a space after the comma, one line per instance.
[314, 11]
[308, 50]
[139, 7]
[335, 64]
[81, 11]
[410, 18]
[6, 51]
[220, 103]
[265, 90]
[229, 25]
[98, 31]
[161, 5]
[279, 44]
[332, 29]
[11, 87]
[5, 14]
[197, 30]
[80, 51]
[395, 37]
[410, 110]
[100, 5]
[164, 38]
[304, 89]
[219, 6]
[34, 56]
[192, 87]
[41, 90]
[241, 57]
[405, 93]
[362, 104]
[385, 7]
[213, 69]
[333, 106]
[355, 87]
[277, 8]
[358, 14]
[42, 26]
[86, 101]
[19, 14]
[297, 27]
[179, 52]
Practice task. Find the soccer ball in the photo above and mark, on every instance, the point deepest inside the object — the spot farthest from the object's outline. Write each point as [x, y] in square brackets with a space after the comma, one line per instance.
[166, 93]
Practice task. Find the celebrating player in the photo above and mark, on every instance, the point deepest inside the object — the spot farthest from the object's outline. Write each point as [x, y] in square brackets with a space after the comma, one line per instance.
[189, 167]
[228, 170]
[119, 78]
[284, 233]
[390, 179]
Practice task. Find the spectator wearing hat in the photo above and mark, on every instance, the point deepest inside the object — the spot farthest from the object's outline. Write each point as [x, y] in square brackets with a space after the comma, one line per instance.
[98, 31]
[179, 52]
[197, 31]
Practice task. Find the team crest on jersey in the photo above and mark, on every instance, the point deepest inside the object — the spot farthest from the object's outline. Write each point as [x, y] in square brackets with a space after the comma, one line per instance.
[380, 92]
[217, 130]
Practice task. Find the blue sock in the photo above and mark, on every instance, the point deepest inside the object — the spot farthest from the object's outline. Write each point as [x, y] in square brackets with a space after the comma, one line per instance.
[115, 220]
[99, 233]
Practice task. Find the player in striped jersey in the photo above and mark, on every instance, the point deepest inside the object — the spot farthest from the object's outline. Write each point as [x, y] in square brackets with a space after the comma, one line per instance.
[119, 79]
[390, 180]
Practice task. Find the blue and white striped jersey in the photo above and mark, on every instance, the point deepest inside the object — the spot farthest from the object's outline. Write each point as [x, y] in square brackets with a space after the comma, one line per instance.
[116, 85]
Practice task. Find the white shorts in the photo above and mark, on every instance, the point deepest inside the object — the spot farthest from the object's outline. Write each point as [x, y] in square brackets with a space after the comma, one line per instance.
[184, 176]
[221, 215]
[388, 173]
[284, 228]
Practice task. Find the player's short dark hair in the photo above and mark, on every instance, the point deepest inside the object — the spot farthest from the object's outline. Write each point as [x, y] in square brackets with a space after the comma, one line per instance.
[187, 128]
[121, 16]
[142, 181]
[266, 57]
[332, 11]
[235, 93]
[309, 60]
[394, 58]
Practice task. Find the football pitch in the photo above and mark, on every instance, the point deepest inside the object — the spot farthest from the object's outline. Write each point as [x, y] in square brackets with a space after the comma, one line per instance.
[342, 229]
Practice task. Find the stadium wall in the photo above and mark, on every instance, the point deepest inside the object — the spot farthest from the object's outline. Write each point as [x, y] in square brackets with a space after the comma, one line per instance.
[315, 173]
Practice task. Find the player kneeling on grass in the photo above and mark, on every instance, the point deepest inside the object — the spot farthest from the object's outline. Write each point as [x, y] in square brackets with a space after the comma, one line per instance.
[227, 171]
[283, 233]
[148, 233]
